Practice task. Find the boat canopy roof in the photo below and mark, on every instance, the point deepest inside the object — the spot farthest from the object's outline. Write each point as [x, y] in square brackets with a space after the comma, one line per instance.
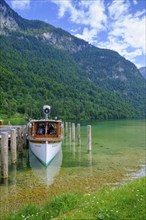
[45, 120]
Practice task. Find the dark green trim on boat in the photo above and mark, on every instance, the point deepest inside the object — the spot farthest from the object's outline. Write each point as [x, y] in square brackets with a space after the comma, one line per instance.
[45, 164]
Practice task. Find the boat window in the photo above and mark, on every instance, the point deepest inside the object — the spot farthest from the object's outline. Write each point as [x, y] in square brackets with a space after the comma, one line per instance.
[52, 129]
[41, 128]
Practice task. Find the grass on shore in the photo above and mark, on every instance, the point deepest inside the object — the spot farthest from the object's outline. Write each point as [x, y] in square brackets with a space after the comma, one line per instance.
[123, 202]
[17, 119]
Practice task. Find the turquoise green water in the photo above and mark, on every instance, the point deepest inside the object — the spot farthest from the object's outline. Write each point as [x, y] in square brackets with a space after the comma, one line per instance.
[118, 149]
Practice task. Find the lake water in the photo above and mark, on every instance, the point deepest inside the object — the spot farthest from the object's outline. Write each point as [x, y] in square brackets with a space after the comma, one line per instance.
[118, 150]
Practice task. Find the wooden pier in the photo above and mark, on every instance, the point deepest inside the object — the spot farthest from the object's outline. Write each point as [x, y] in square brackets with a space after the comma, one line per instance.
[70, 134]
[8, 128]
[15, 137]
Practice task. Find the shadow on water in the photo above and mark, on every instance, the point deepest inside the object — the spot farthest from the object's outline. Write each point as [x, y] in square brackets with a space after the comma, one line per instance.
[77, 157]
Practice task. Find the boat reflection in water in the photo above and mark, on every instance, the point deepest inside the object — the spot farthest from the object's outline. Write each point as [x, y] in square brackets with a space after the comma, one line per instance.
[46, 174]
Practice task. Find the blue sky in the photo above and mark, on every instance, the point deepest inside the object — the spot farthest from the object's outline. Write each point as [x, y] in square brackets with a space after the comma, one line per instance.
[119, 25]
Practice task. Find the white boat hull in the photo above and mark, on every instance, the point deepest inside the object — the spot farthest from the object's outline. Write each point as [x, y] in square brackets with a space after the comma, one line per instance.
[45, 151]
[45, 175]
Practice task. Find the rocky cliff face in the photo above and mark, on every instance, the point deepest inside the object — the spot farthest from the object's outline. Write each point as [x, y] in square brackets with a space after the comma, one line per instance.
[7, 20]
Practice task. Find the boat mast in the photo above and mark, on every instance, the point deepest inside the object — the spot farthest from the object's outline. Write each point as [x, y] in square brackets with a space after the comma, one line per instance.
[46, 110]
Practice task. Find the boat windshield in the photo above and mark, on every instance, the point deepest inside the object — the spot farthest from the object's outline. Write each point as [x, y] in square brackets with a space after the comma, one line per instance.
[52, 129]
[49, 128]
[41, 128]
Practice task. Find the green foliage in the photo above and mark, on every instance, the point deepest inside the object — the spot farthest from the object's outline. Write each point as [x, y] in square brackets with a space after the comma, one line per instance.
[126, 202]
[58, 206]
[16, 119]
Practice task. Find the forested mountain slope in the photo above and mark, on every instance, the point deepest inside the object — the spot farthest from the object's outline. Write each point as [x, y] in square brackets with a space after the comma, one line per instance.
[41, 64]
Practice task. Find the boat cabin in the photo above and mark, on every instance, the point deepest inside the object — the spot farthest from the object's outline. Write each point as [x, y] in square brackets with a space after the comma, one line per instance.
[46, 128]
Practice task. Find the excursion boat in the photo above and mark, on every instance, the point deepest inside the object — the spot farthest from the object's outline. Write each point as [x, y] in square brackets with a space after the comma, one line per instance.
[45, 137]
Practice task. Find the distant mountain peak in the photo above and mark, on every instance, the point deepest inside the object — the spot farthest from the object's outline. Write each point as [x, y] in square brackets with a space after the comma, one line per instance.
[8, 21]
[11, 22]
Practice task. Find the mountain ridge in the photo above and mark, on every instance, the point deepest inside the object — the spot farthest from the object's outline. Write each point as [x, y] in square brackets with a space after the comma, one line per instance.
[78, 79]
[46, 32]
[143, 71]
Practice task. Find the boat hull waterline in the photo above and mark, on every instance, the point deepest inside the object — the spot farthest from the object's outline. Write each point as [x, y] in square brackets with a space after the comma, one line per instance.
[46, 151]
[46, 175]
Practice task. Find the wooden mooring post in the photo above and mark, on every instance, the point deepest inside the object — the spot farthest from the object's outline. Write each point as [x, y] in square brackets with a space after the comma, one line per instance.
[4, 155]
[79, 134]
[13, 147]
[19, 140]
[69, 131]
[89, 140]
[73, 132]
[66, 129]
[24, 136]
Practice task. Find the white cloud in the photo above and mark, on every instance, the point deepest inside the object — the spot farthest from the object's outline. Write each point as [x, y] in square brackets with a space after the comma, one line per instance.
[140, 13]
[20, 4]
[134, 33]
[118, 9]
[88, 35]
[131, 30]
[123, 28]
[135, 2]
[89, 14]
[84, 13]
[64, 6]
[122, 48]
[92, 13]
[127, 33]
